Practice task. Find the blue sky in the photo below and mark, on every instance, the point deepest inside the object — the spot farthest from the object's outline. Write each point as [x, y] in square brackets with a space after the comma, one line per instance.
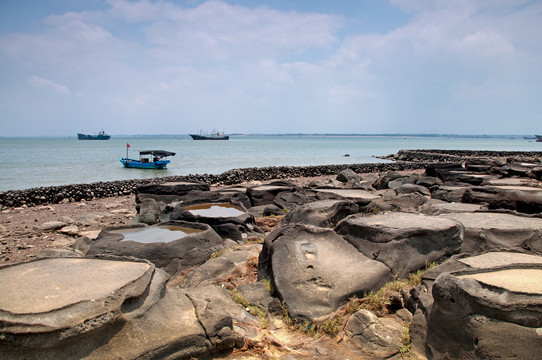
[255, 66]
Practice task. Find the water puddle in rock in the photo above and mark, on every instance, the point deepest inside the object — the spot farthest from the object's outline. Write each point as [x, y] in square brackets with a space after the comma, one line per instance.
[156, 234]
[215, 210]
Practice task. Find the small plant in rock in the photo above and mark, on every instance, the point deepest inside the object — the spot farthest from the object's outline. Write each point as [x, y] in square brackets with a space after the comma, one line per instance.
[406, 348]
[253, 241]
[217, 253]
[252, 309]
[269, 286]
[378, 300]
[253, 261]
[353, 305]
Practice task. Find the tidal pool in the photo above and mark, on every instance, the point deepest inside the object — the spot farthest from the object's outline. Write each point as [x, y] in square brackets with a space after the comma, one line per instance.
[215, 210]
[156, 234]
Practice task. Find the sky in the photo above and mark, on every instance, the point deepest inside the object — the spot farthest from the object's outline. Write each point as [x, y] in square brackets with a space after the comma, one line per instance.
[270, 66]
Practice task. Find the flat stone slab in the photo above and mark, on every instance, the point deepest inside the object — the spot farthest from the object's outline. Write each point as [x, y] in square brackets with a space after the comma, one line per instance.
[354, 194]
[436, 207]
[511, 182]
[486, 231]
[517, 280]
[499, 259]
[489, 262]
[480, 314]
[518, 187]
[54, 284]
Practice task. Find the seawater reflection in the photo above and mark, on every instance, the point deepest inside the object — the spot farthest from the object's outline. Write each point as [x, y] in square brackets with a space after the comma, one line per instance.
[215, 210]
[156, 234]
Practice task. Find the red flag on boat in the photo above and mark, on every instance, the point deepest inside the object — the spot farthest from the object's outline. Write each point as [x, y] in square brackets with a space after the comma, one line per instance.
[127, 146]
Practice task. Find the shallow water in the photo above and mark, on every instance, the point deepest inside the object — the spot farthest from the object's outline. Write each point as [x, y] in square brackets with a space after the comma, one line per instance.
[156, 234]
[214, 210]
[35, 162]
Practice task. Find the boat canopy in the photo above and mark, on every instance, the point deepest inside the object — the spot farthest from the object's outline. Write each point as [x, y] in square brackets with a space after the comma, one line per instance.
[160, 153]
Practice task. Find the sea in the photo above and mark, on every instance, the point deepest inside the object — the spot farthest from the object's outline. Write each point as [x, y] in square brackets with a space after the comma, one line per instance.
[47, 161]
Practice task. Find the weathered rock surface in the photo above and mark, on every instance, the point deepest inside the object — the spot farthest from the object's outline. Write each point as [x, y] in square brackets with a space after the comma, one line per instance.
[303, 264]
[473, 313]
[169, 191]
[378, 336]
[315, 270]
[97, 309]
[485, 231]
[219, 270]
[519, 198]
[265, 194]
[390, 201]
[437, 207]
[404, 242]
[324, 213]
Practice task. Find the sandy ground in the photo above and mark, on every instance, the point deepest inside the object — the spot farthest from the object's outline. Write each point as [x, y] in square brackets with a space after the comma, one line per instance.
[23, 232]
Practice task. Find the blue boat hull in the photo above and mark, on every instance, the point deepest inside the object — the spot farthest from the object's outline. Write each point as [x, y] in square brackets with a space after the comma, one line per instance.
[132, 163]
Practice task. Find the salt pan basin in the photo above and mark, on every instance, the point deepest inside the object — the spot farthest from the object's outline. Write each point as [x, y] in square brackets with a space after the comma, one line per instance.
[163, 234]
[223, 210]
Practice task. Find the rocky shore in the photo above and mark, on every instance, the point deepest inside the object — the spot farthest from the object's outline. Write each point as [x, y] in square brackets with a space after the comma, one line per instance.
[440, 260]
[99, 190]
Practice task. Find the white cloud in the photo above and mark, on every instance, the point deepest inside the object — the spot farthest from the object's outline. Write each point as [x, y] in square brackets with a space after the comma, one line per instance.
[46, 83]
[157, 59]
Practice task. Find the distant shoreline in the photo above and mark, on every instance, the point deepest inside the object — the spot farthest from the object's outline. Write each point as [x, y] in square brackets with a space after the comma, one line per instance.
[385, 135]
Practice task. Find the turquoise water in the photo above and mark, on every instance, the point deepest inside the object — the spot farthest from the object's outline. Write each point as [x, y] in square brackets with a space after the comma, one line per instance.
[35, 162]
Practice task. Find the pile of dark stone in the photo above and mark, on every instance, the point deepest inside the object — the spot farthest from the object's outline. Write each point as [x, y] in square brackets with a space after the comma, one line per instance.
[78, 192]
[479, 218]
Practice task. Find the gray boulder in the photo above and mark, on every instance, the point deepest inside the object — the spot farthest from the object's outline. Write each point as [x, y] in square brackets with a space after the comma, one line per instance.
[383, 181]
[324, 213]
[448, 193]
[380, 337]
[473, 312]
[265, 194]
[93, 308]
[218, 270]
[347, 175]
[437, 207]
[409, 188]
[519, 198]
[392, 202]
[289, 200]
[149, 210]
[215, 311]
[405, 242]
[315, 271]
[53, 225]
[168, 192]
[436, 169]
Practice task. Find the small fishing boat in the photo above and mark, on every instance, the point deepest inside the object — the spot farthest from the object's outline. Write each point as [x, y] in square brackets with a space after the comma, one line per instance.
[148, 159]
[214, 135]
[101, 136]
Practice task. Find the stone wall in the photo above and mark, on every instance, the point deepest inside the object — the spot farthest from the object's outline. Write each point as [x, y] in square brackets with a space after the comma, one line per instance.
[404, 160]
[78, 192]
[458, 155]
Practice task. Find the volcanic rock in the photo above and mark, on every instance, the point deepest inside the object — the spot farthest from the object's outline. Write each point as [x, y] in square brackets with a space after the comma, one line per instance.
[324, 213]
[314, 270]
[485, 231]
[405, 242]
